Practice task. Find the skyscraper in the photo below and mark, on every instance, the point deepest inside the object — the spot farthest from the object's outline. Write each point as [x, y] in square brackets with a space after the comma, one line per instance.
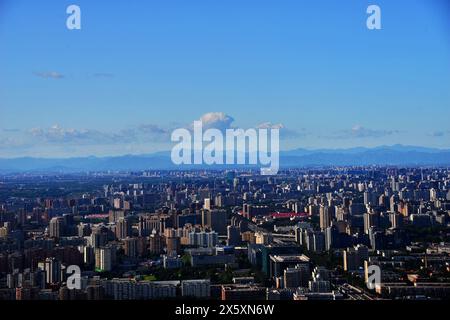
[123, 228]
[325, 217]
[56, 227]
[104, 258]
[215, 220]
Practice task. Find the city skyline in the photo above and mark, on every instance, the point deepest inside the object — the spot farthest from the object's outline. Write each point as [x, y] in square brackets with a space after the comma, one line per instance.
[307, 234]
[135, 72]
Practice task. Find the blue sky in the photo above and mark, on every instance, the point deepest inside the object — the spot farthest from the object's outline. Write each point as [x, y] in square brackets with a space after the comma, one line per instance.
[136, 71]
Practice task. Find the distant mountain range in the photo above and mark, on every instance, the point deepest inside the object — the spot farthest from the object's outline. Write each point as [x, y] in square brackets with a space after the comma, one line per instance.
[397, 155]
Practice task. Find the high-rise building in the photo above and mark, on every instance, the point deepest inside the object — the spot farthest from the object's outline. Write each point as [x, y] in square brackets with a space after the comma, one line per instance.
[104, 258]
[370, 220]
[215, 220]
[84, 230]
[56, 227]
[396, 220]
[99, 236]
[89, 255]
[324, 217]
[155, 243]
[207, 204]
[203, 239]
[131, 245]
[53, 270]
[173, 245]
[233, 235]
[331, 238]
[354, 257]
[123, 228]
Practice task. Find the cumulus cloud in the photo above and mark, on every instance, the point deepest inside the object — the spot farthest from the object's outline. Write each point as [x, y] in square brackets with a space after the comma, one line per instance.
[49, 75]
[216, 120]
[223, 121]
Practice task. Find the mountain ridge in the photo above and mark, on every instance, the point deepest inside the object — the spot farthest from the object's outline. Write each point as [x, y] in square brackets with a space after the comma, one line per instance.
[383, 155]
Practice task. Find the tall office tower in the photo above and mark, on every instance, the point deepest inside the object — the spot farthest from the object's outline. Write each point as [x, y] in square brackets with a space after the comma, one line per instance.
[393, 201]
[146, 225]
[299, 236]
[131, 245]
[4, 231]
[324, 217]
[99, 236]
[117, 203]
[319, 241]
[233, 236]
[383, 201]
[37, 215]
[215, 220]
[376, 238]
[433, 194]
[123, 228]
[370, 220]
[104, 258]
[370, 198]
[56, 227]
[219, 201]
[22, 217]
[207, 204]
[53, 270]
[396, 220]
[341, 213]
[84, 230]
[173, 245]
[142, 246]
[350, 259]
[155, 243]
[89, 255]
[332, 238]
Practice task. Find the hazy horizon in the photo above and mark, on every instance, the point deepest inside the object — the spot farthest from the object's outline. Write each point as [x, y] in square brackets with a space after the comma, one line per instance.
[137, 71]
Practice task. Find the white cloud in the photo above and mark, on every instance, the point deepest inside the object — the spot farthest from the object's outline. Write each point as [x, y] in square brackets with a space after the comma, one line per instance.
[216, 120]
[358, 131]
[49, 75]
